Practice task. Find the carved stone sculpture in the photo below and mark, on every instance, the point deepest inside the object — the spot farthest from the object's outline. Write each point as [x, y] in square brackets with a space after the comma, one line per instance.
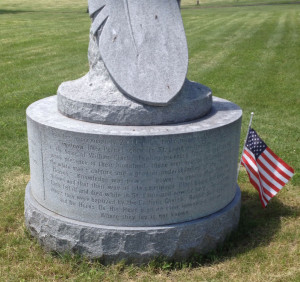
[138, 62]
[132, 160]
[143, 46]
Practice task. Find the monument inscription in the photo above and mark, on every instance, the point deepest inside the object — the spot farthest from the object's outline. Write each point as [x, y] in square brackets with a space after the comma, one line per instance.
[112, 179]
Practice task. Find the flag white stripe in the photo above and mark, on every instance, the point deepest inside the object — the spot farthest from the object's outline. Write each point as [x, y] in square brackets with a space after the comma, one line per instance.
[268, 198]
[253, 177]
[273, 160]
[253, 165]
[250, 152]
[267, 187]
[266, 175]
[272, 170]
[263, 194]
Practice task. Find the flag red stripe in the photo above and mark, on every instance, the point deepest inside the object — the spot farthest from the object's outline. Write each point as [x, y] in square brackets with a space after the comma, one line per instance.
[269, 178]
[270, 189]
[250, 155]
[248, 160]
[250, 166]
[276, 171]
[267, 192]
[266, 201]
[250, 174]
[256, 186]
[260, 195]
[275, 167]
[254, 178]
[253, 183]
[270, 173]
[290, 169]
[253, 169]
[269, 183]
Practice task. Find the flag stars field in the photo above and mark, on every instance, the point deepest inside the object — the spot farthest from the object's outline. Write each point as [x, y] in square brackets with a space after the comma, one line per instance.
[255, 144]
[267, 172]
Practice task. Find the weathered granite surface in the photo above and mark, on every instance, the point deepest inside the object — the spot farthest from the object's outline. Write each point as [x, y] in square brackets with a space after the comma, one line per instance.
[143, 46]
[135, 244]
[133, 175]
[96, 98]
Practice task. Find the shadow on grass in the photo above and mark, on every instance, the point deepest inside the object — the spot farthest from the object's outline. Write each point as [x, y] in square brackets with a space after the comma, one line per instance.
[2, 11]
[256, 228]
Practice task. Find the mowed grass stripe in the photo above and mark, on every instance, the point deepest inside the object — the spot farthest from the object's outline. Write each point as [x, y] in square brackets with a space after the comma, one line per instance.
[38, 6]
[41, 53]
[229, 3]
[259, 70]
[282, 82]
[266, 53]
[265, 79]
[222, 40]
[195, 21]
[254, 70]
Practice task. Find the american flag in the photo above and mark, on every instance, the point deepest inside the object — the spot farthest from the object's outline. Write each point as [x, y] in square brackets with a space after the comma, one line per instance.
[267, 172]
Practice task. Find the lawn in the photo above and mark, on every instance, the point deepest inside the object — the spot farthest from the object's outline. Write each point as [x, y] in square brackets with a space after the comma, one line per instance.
[249, 55]
[226, 3]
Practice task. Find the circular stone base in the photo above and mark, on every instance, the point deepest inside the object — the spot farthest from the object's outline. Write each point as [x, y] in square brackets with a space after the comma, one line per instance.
[134, 244]
[97, 100]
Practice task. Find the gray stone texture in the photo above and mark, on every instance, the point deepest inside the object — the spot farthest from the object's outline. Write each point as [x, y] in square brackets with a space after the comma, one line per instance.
[93, 102]
[133, 175]
[135, 244]
[143, 46]
[96, 98]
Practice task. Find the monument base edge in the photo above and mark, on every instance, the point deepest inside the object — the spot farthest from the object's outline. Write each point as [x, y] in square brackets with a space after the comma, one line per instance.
[133, 244]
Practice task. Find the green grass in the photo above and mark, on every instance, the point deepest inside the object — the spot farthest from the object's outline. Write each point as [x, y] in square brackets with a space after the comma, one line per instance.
[249, 55]
[228, 3]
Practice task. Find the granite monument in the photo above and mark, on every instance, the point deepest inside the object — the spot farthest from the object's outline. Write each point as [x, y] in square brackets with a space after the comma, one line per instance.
[133, 160]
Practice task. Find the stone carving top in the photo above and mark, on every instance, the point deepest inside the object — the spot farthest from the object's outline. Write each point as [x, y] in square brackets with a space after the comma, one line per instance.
[143, 46]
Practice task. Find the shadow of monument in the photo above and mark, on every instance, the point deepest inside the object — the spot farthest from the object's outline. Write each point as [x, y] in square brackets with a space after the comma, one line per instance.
[256, 228]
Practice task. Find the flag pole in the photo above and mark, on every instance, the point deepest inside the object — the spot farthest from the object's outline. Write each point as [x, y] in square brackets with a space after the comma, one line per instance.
[250, 123]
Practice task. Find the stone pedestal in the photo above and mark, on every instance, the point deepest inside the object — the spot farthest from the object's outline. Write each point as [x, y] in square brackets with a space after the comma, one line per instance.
[133, 244]
[133, 192]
